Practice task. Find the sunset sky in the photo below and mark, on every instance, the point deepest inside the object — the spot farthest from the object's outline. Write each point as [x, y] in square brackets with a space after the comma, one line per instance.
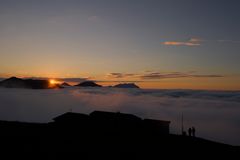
[193, 44]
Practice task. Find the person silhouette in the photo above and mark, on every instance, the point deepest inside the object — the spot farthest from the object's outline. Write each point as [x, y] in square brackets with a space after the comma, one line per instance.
[189, 132]
[193, 131]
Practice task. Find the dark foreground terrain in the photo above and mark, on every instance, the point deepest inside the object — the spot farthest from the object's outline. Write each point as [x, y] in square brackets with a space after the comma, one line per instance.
[64, 141]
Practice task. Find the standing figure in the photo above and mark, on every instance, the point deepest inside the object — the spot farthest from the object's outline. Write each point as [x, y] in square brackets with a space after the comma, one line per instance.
[193, 131]
[189, 132]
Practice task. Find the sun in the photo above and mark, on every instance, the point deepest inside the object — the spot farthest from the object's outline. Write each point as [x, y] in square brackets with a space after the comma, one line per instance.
[52, 81]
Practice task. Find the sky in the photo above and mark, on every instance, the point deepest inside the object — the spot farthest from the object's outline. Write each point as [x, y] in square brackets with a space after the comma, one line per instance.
[156, 43]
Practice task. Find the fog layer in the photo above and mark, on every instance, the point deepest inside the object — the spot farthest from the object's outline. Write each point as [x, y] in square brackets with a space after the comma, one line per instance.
[215, 114]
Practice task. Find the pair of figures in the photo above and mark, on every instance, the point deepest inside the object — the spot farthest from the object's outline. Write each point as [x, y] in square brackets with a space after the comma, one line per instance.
[191, 132]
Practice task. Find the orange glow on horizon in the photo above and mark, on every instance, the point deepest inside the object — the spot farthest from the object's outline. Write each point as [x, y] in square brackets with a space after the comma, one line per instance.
[222, 83]
[53, 82]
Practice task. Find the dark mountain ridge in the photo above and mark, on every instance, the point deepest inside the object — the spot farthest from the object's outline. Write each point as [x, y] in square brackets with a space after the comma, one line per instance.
[126, 85]
[65, 84]
[88, 84]
[15, 82]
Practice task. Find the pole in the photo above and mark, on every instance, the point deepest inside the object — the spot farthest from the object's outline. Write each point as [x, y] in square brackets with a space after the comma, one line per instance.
[182, 125]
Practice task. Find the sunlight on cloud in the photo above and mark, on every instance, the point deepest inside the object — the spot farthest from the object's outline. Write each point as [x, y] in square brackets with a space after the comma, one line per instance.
[190, 42]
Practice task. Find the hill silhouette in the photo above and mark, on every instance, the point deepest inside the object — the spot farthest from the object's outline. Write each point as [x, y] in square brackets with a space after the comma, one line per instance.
[65, 84]
[15, 82]
[126, 85]
[88, 84]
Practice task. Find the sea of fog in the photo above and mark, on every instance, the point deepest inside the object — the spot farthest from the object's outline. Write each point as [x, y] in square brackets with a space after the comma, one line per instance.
[214, 114]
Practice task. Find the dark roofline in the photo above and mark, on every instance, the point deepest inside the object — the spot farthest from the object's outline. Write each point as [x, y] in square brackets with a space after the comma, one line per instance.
[109, 113]
[69, 113]
[156, 120]
[115, 113]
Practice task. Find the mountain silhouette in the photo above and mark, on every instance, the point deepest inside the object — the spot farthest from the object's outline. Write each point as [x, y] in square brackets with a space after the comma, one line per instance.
[126, 85]
[15, 82]
[65, 84]
[88, 84]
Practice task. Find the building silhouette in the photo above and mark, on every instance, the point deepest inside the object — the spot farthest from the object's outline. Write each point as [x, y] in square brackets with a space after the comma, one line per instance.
[111, 123]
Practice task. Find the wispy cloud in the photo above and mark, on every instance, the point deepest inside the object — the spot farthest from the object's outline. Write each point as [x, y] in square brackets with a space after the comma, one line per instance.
[150, 75]
[145, 76]
[159, 75]
[73, 79]
[197, 42]
[190, 42]
[120, 75]
[79, 79]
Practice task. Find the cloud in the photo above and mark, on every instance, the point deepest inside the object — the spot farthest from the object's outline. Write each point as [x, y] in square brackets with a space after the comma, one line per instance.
[73, 79]
[120, 75]
[158, 75]
[190, 42]
[197, 42]
[174, 43]
[161, 75]
[69, 80]
[134, 77]
[80, 79]
[215, 114]
[207, 75]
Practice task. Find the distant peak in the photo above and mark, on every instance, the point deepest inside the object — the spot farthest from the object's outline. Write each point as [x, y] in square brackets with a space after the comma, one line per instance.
[126, 85]
[88, 84]
[65, 84]
[14, 78]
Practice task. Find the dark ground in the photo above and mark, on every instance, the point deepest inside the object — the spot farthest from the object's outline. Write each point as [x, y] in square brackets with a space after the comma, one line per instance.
[51, 141]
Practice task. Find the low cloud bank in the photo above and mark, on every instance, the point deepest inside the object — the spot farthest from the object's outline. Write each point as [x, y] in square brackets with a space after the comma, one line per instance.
[215, 114]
